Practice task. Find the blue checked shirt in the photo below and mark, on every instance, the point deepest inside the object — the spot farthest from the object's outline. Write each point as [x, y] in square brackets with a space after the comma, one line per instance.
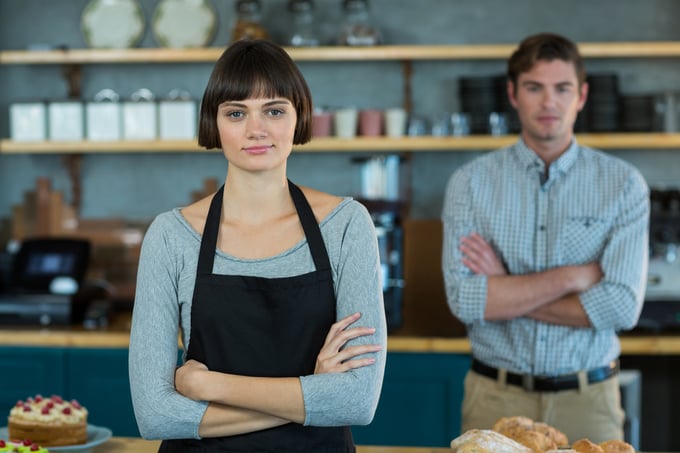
[591, 207]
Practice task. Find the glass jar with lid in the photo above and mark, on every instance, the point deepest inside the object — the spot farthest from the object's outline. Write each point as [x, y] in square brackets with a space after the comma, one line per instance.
[357, 28]
[303, 28]
[248, 21]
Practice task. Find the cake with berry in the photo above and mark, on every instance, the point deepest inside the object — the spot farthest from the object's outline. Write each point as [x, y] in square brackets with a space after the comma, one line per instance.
[26, 446]
[49, 421]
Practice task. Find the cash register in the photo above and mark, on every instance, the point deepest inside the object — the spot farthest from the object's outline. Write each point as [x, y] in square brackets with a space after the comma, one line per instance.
[43, 282]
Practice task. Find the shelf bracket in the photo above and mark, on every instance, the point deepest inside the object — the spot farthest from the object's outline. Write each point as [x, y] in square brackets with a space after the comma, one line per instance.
[73, 74]
[73, 164]
[407, 70]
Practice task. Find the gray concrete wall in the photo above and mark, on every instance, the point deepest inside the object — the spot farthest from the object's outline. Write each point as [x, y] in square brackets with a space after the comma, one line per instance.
[112, 183]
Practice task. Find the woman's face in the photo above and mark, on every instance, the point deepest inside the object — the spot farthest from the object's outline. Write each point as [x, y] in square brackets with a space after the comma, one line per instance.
[257, 134]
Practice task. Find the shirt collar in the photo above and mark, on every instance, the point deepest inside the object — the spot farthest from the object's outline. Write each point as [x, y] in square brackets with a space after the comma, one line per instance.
[532, 162]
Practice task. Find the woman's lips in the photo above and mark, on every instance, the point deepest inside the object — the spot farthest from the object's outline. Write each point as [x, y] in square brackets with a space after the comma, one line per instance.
[258, 149]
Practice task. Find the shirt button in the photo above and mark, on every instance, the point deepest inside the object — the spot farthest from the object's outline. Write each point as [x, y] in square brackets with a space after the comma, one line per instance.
[542, 228]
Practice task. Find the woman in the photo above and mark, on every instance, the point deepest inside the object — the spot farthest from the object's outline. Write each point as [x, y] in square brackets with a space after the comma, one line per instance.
[276, 288]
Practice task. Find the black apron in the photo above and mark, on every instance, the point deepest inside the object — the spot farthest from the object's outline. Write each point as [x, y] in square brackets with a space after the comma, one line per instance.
[268, 327]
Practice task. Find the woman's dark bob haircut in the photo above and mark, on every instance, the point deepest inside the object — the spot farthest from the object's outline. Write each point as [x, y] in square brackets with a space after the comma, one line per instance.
[251, 69]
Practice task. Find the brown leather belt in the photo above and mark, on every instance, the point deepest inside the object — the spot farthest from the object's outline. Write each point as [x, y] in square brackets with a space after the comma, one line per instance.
[547, 383]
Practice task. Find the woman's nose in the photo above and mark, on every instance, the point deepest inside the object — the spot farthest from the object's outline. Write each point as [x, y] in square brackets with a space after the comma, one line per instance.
[255, 127]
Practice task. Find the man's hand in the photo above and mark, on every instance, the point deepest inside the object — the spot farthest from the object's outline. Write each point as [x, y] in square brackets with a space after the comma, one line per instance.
[479, 257]
[585, 276]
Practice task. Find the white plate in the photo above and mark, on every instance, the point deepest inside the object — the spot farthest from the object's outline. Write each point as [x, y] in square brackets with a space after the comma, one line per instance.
[95, 435]
[115, 24]
[183, 23]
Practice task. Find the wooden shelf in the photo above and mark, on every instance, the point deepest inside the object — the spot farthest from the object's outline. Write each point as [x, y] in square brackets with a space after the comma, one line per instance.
[659, 49]
[359, 144]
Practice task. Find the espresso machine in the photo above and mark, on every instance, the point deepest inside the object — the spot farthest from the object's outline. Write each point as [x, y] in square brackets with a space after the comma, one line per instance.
[380, 193]
[390, 245]
[661, 310]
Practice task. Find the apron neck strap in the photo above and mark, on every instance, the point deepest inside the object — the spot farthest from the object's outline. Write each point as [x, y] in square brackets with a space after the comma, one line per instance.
[310, 226]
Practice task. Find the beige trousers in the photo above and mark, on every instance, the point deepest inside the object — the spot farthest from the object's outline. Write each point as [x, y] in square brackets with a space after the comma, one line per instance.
[592, 411]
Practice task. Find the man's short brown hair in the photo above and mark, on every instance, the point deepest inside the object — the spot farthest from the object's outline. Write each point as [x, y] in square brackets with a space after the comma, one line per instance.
[545, 47]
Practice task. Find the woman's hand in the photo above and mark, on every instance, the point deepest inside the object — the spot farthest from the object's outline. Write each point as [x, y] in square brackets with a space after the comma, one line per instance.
[188, 379]
[333, 359]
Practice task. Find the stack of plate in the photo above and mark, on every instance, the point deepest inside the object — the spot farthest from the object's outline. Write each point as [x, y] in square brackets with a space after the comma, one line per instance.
[505, 106]
[478, 98]
[637, 113]
[602, 108]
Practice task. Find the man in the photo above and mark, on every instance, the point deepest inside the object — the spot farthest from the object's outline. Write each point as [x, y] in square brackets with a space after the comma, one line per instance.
[545, 258]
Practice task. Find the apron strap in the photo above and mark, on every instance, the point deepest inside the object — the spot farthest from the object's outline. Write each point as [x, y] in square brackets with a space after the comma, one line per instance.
[311, 228]
[206, 257]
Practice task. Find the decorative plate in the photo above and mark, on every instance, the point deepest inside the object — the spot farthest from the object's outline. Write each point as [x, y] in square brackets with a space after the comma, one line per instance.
[184, 23]
[114, 24]
[95, 435]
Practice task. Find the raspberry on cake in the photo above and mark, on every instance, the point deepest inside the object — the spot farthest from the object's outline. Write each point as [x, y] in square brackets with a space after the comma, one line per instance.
[48, 421]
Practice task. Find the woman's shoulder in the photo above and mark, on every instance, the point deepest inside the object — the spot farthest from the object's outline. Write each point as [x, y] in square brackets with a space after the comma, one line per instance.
[172, 223]
[330, 208]
[322, 203]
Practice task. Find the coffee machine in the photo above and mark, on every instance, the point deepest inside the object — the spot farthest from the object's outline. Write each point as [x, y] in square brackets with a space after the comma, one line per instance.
[380, 193]
[661, 310]
[390, 245]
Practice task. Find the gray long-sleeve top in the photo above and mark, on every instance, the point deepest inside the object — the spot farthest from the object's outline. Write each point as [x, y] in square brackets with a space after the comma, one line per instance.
[165, 283]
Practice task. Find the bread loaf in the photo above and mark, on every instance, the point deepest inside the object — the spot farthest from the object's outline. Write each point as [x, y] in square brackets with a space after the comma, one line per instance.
[486, 441]
[538, 436]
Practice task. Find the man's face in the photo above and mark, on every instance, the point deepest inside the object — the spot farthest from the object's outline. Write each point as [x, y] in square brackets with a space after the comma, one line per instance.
[547, 99]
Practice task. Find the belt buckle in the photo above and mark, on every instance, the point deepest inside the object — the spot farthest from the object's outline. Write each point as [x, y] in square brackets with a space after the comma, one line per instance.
[528, 382]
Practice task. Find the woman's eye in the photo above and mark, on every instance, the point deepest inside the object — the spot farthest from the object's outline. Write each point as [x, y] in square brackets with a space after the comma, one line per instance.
[235, 114]
[276, 112]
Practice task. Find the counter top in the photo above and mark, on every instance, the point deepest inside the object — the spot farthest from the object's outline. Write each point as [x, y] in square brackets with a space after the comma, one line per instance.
[135, 445]
[116, 335]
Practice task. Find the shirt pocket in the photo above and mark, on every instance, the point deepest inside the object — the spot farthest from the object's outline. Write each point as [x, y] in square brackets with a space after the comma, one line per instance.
[583, 239]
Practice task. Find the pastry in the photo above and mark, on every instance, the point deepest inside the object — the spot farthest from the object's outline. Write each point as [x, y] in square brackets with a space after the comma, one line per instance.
[512, 423]
[536, 441]
[48, 421]
[616, 446]
[486, 441]
[553, 433]
[586, 446]
[538, 436]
